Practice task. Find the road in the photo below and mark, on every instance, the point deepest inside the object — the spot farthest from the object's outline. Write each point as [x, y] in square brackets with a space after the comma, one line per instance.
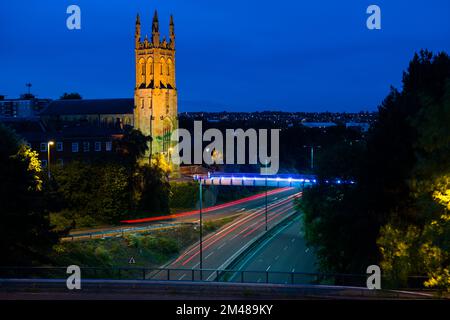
[170, 221]
[284, 251]
[221, 247]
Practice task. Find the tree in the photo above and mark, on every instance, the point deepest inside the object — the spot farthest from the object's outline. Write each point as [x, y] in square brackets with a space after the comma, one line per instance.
[25, 232]
[400, 176]
[132, 146]
[152, 190]
[71, 96]
[91, 194]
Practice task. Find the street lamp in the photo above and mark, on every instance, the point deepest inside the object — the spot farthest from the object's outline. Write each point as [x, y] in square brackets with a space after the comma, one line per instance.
[312, 154]
[201, 231]
[49, 144]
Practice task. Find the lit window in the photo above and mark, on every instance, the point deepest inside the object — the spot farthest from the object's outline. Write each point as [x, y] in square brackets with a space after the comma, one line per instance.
[59, 146]
[74, 146]
[86, 146]
[108, 146]
[98, 146]
[43, 146]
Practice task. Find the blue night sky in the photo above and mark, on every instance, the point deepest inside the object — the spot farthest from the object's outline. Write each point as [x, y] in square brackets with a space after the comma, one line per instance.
[231, 55]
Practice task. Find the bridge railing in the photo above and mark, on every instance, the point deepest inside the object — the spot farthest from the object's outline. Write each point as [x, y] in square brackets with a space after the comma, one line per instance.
[212, 275]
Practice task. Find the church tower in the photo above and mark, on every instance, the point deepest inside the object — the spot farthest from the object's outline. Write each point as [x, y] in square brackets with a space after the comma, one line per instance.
[155, 93]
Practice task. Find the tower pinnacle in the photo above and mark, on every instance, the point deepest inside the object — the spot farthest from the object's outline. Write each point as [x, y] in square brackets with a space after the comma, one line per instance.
[172, 31]
[137, 34]
[155, 29]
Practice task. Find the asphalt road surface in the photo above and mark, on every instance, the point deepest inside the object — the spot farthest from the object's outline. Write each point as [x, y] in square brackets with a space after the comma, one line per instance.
[284, 251]
[224, 245]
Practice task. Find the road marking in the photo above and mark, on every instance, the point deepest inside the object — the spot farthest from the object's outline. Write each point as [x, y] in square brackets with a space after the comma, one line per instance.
[276, 258]
[293, 270]
[268, 268]
[221, 246]
[293, 240]
[181, 278]
[307, 249]
[209, 255]
[196, 265]
[285, 248]
[259, 280]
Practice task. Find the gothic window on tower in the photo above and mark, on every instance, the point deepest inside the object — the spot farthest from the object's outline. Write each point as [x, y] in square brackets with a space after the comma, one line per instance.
[142, 103]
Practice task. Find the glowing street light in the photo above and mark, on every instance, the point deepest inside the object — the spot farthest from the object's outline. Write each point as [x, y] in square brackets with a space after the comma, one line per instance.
[49, 144]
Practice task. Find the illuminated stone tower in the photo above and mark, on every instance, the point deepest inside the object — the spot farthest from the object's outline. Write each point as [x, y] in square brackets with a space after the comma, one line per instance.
[155, 93]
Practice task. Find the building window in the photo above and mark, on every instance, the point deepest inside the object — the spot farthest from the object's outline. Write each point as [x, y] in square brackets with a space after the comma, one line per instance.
[108, 146]
[59, 146]
[98, 146]
[86, 146]
[74, 146]
[44, 163]
[43, 146]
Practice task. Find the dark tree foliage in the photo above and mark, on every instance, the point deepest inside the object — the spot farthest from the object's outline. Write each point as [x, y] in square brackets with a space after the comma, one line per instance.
[25, 232]
[343, 223]
[71, 96]
[152, 190]
[106, 191]
[132, 146]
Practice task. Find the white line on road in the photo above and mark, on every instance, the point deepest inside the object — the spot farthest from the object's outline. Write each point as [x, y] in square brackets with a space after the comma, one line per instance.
[293, 240]
[268, 268]
[209, 255]
[196, 265]
[277, 257]
[285, 248]
[181, 278]
[221, 246]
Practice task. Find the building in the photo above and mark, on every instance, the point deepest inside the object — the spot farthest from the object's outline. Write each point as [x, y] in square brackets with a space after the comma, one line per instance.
[155, 94]
[27, 106]
[84, 128]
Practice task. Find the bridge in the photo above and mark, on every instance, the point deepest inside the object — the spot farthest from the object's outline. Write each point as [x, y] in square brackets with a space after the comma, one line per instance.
[260, 180]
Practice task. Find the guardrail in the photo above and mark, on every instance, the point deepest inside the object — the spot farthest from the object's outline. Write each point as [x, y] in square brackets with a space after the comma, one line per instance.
[196, 275]
[120, 232]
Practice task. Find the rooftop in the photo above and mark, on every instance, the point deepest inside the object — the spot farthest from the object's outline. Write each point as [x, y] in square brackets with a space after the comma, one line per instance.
[86, 106]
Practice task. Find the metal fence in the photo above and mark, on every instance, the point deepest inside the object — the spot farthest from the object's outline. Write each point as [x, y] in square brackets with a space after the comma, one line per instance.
[212, 275]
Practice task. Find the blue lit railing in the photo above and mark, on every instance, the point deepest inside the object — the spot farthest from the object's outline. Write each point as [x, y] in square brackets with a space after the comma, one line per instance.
[253, 179]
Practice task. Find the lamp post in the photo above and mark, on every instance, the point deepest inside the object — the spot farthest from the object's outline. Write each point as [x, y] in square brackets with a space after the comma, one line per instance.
[312, 154]
[266, 203]
[49, 144]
